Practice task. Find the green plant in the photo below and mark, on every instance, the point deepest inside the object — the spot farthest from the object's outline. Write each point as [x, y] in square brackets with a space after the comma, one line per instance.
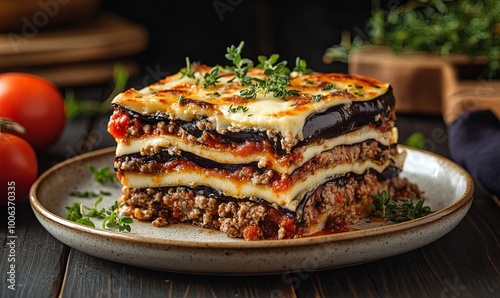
[470, 27]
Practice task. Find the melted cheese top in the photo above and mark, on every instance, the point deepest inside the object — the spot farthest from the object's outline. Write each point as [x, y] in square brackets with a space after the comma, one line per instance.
[187, 99]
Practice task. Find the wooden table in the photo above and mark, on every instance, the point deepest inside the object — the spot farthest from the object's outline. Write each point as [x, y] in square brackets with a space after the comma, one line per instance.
[464, 263]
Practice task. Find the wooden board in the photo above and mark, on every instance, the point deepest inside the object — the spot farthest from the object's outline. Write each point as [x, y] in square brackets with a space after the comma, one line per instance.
[76, 55]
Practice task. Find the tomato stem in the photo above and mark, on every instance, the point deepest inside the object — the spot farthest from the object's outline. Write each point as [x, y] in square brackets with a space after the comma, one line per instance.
[9, 124]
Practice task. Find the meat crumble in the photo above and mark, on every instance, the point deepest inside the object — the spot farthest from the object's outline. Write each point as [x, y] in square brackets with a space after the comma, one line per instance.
[343, 154]
[339, 205]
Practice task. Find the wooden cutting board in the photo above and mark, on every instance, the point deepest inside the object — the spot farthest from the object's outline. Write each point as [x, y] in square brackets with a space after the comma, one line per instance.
[79, 54]
[430, 84]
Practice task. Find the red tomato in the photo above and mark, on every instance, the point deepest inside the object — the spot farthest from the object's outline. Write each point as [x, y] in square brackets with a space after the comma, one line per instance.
[36, 104]
[19, 168]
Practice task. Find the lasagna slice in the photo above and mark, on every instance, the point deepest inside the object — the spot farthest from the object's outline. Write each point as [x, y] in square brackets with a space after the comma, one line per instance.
[257, 165]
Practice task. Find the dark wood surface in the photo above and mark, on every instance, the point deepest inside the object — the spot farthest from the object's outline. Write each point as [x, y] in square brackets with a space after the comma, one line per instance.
[463, 263]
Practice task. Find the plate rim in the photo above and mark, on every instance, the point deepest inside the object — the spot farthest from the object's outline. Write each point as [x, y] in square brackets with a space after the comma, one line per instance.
[240, 244]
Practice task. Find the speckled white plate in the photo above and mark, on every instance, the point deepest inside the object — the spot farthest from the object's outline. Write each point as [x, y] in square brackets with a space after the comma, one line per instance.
[184, 248]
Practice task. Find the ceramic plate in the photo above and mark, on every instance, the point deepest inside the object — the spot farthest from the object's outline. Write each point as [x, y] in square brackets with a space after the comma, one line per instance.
[184, 248]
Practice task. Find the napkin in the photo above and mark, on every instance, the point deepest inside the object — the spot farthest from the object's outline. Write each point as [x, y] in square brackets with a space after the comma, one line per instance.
[474, 143]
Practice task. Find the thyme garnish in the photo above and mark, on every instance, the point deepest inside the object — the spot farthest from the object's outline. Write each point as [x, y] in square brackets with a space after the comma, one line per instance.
[111, 219]
[301, 66]
[328, 87]
[102, 174]
[276, 74]
[210, 79]
[398, 211]
[188, 71]
[232, 109]
[240, 65]
[82, 214]
[316, 98]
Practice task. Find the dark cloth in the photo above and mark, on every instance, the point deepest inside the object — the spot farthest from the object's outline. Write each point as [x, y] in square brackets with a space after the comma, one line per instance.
[474, 143]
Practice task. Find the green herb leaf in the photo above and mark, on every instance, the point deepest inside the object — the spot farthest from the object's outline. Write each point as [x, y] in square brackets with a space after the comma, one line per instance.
[102, 174]
[210, 79]
[415, 140]
[85, 221]
[232, 109]
[111, 217]
[87, 108]
[438, 27]
[240, 65]
[328, 87]
[112, 220]
[301, 66]
[384, 206]
[316, 98]
[188, 70]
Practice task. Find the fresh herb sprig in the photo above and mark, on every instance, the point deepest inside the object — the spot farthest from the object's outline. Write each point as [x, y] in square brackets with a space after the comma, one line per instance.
[82, 214]
[211, 78]
[111, 217]
[86, 108]
[76, 212]
[188, 70]
[232, 109]
[301, 67]
[241, 66]
[384, 206]
[114, 220]
[276, 79]
[102, 175]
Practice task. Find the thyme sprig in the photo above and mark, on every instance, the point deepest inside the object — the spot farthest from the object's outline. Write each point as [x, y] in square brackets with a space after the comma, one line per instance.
[211, 78]
[82, 214]
[114, 220]
[111, 218]
[232, 109]
[102, 174]
[276, 79]
[240, 65]
[398, 211]
[301, 67]
[188, 70]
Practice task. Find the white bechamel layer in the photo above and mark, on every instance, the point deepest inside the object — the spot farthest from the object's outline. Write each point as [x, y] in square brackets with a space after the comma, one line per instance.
[287, 198]
[269, 159]
[186, 99]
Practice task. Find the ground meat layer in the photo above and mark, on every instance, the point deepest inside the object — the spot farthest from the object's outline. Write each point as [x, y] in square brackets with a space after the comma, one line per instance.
[336, 204]
[126, 125]
[168, 159]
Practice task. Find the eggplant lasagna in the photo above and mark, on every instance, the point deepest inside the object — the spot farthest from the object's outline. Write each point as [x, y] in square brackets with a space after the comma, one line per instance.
[262, 166]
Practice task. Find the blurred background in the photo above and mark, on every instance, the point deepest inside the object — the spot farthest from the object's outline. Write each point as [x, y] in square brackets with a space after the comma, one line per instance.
[76, 42]
[203, 30]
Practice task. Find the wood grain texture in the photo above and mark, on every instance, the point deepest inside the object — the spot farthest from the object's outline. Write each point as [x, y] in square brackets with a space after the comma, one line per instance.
[88, 276]
[40, 259]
